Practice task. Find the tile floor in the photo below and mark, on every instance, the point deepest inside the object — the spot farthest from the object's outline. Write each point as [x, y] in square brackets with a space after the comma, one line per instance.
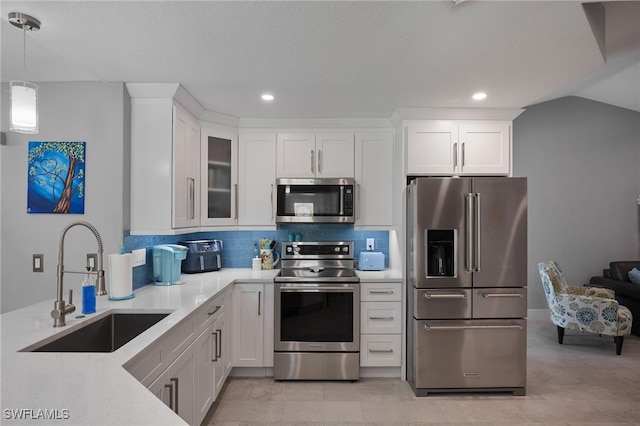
[580, 382]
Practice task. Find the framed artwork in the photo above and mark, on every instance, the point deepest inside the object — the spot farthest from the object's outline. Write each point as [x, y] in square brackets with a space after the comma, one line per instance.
[56, 177]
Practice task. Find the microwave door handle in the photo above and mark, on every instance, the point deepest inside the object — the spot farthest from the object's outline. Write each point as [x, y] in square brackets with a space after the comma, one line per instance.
[341, 212]
[357, 206]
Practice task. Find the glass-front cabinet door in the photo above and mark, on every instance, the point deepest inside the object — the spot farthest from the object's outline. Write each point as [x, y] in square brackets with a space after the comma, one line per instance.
[219, 154]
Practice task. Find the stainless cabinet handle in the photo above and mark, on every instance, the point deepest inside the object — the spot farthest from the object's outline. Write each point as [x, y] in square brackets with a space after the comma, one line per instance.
[462, 157]
[381, 292]
[176, 395]
[455, 156]
[445, 296]
[214, 340]
[272, 209]
[235, 213]
[214, 311]
[386, 351]
[313, 160]
[259, 301]
[218, 343]
[319, 161]
[487, 295]
[171, 399]
[428, 327]
[382, 318]
[191, 198]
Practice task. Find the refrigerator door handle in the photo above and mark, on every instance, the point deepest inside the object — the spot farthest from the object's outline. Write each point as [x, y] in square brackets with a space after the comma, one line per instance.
[488, 295]
[445, 296]
[468, 231]
[428, 327]
[477, 255]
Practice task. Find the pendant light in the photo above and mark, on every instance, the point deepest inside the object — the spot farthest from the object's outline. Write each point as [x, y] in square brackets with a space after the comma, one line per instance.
[24, 95]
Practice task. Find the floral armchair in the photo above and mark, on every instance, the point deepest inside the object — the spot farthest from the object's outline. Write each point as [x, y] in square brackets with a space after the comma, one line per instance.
[588, 309]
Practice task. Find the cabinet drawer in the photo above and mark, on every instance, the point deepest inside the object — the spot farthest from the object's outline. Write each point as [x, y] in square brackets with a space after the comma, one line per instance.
[470, 354]
[380, 317]
[442, 304]
[500, 303]
[380, 350]
[209, 311]
[178, 339]
[147, 366]
[380, 292]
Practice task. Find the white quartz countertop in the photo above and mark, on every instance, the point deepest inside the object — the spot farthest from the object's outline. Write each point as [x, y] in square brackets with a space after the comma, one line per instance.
[94, 388]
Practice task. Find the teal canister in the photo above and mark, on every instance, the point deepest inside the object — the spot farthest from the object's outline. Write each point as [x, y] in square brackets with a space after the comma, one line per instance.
[167, 262]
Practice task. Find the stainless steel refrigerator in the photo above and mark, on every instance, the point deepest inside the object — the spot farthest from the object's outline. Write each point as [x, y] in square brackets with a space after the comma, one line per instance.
[466, 284]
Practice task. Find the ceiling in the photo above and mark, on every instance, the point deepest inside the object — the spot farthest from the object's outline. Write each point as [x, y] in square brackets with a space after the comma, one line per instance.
[334, 59]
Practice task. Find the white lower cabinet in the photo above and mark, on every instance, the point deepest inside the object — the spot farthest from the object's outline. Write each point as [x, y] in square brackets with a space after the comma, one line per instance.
[175, 387]
[380, 324]
[253, 325]
[213, 363]
[187, 367]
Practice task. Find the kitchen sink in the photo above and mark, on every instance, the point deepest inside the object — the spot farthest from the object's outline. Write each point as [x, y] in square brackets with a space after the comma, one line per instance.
[107, 334]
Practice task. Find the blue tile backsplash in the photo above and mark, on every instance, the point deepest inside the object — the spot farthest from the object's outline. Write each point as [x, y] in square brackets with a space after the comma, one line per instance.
[238, 245]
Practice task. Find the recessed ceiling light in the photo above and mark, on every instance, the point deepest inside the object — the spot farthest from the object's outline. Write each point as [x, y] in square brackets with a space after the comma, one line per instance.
[479, 96]
[267, 97]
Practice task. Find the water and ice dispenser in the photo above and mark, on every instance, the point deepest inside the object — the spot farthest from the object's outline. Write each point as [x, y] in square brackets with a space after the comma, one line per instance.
[441, 252]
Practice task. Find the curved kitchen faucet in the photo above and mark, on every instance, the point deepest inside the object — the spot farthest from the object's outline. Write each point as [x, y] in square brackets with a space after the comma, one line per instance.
[60, 307]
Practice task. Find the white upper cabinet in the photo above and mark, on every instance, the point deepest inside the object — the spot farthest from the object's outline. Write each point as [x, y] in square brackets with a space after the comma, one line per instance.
[374, 177]
[256, 179]
[219, 189]
[315, 155]
[164, 166]
[452, 147]
[186, 169]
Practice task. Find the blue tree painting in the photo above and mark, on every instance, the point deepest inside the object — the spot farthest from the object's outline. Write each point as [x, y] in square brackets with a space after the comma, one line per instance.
[56, 177]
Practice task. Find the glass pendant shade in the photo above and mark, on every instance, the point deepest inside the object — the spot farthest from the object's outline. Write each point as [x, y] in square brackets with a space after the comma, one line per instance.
[24, 107]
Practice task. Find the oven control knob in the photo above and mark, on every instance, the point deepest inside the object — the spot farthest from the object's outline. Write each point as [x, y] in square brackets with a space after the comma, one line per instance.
[336, 249]
[289, 249]
[345, 249]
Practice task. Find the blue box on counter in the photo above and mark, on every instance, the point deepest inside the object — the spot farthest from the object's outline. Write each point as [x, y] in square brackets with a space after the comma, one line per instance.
[371, 261]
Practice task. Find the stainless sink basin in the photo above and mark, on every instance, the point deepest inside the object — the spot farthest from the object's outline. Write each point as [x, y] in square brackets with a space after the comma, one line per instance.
[104, 335]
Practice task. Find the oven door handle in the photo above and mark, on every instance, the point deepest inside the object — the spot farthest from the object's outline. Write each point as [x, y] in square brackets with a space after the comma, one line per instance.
[324, 288]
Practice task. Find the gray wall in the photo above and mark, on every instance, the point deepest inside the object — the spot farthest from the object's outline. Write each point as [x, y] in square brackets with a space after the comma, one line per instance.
[98, 114]
[581, 158]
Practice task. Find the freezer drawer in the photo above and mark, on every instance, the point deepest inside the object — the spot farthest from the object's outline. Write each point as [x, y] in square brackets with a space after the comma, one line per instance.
[442, 304]
[480, 354]
[500, 302]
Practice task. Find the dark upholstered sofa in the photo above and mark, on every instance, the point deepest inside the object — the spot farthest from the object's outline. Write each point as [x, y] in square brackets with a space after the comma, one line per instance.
[616, 278]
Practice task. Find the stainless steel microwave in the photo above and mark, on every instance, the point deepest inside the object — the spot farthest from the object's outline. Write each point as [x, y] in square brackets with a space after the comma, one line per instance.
[320, 200]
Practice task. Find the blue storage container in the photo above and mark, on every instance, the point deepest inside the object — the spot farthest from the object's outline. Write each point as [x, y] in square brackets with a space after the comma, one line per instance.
[167, 262]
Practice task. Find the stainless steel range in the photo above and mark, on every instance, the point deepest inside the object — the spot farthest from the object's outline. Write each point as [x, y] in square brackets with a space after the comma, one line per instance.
[317, 313]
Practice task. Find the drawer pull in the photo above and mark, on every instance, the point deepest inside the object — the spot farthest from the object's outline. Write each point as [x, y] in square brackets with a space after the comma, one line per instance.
[382, 318]
[386, 351]
[444, 296]
[428, 327]
[487, 295]
[214, 311]
[381, 292]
